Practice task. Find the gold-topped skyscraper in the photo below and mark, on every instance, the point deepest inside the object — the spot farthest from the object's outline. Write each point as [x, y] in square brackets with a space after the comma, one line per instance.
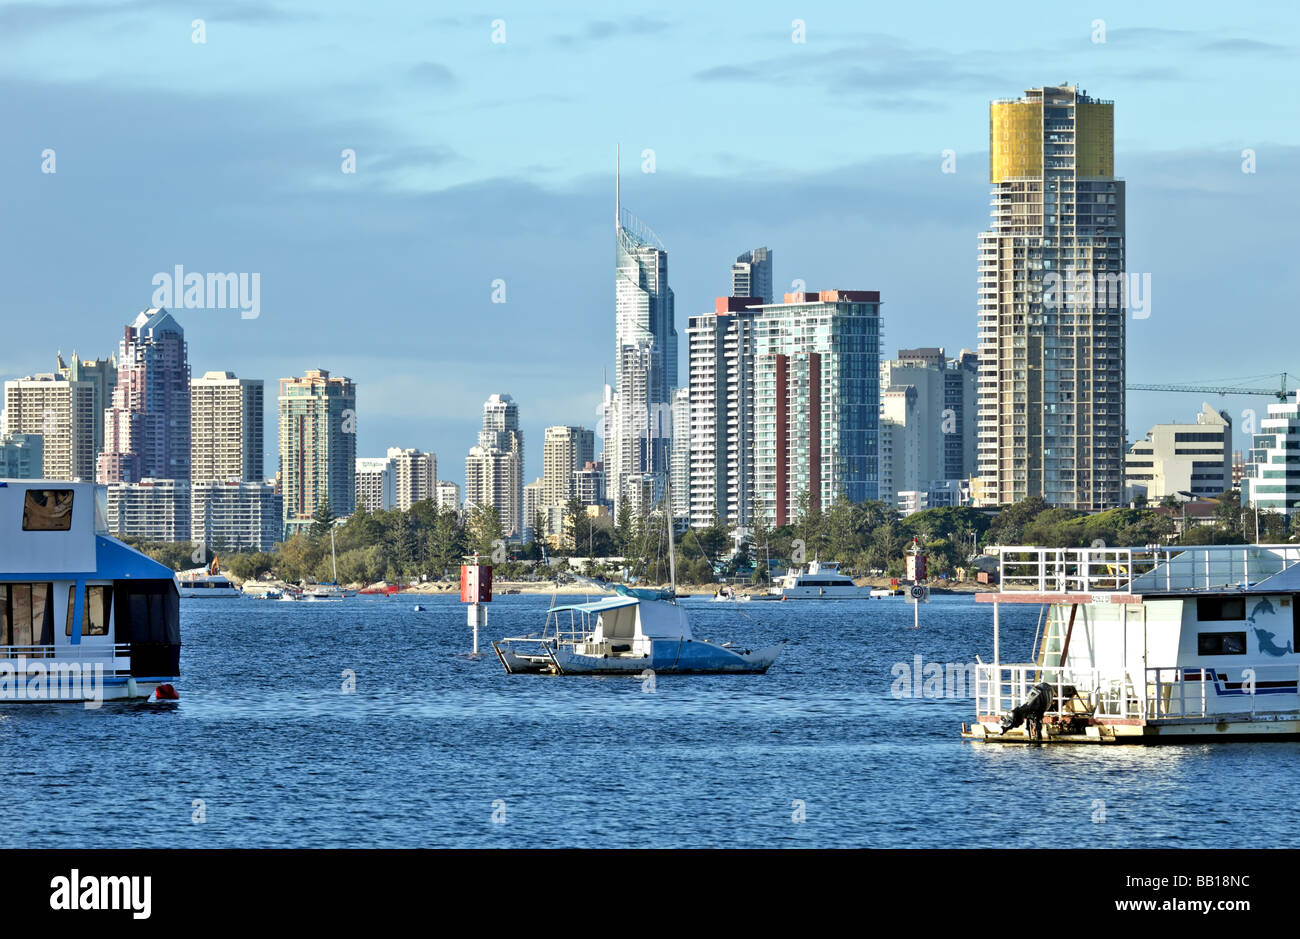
[1052, 305]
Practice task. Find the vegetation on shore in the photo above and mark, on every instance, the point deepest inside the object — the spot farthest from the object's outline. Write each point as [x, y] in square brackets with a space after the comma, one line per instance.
[424, 543]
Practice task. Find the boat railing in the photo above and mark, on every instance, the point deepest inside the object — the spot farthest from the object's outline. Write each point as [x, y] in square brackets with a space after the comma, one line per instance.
[79, 654]
[1076, 693]
[1139, 570]
[569, 626]
[1175, 692]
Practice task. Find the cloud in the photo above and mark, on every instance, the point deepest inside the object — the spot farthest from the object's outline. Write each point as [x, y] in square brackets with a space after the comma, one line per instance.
[598, 30]
[432, 73]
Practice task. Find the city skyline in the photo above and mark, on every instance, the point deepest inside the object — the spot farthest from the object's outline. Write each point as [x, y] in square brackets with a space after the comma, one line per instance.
[441, 231]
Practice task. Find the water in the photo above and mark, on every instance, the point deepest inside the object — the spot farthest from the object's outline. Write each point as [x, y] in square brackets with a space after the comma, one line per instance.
[432, 743]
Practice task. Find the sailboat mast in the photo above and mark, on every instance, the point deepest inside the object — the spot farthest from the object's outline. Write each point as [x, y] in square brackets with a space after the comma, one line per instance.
[334, 563]
[668, 513]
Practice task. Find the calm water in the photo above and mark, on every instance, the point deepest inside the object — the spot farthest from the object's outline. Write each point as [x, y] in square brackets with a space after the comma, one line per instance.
[431, 739]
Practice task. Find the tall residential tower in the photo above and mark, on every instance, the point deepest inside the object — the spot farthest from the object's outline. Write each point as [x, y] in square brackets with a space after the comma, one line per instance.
[1051, 305]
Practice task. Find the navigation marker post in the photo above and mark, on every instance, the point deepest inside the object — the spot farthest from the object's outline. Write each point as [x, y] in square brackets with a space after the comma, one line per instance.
[918, 593]
[476, 590]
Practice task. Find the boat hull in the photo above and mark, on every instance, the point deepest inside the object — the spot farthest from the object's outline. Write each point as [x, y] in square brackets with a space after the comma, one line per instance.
[668, 658]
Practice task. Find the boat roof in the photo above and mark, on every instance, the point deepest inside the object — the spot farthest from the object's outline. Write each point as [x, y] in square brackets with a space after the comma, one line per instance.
[595, 606]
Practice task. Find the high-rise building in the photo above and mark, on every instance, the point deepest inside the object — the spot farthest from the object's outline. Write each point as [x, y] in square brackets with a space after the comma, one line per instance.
[415, 474]
[680, 459]
[1195, 459]
[102, 375]
[494, 468]
[235, 515]
[534, 499]
[1272, 476]
[226, 428]
[817, 402]
[375, 485]
[565, 450]
[781, 407]
[318, 447]
[492, 478]
[720, 427]
[637, 423]
[935, 427]
[589, 484]
[1052, 305]
[61, 411]
[149, 509]
[147, 425]
[751, 275]
[448, 495]
[901, 440]
[21, 456]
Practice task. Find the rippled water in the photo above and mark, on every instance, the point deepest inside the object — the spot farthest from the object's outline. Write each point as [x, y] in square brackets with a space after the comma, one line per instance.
[431, 740]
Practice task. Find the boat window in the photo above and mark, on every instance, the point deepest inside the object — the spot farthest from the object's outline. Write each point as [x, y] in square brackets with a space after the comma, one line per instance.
[99, 601]
[47, 510]
[26, 614]
[1214, 609]
[1221, 644]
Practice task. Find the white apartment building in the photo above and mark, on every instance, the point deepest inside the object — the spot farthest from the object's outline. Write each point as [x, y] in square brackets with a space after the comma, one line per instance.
[235, 515]
[62, 412]
[376, 488]
[448, 495]
[1272, 476]
[1182, 458]
[492, 478]
[152, 509]
[226, 428]
[415, 475]
[20, 456]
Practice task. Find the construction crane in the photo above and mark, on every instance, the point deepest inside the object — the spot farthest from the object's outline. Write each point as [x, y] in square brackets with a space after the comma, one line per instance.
[1281, 393]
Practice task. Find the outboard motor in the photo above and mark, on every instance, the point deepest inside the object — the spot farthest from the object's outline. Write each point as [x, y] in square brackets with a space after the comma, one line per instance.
[1030, 712]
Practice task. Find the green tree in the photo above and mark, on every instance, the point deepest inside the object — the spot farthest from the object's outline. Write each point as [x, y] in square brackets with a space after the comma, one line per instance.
[322, 520]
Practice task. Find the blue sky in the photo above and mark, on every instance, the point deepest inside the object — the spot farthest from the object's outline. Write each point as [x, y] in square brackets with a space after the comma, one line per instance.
[478, 161]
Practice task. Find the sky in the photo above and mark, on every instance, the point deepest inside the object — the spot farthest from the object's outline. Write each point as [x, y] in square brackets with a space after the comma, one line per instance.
[484, 144]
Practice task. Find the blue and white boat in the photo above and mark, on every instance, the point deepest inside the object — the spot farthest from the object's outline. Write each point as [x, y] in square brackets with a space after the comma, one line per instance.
[633, 631]
[623, 634]
[83, 617]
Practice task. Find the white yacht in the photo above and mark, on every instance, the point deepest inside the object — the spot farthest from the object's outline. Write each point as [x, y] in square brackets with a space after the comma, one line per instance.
[1146, 645]
[206, 582]
[83, 617]
[822, 581]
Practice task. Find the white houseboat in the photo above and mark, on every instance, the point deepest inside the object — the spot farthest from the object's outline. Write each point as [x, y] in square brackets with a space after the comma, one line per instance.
[1146, 645]
[822, 581]
[83, 617]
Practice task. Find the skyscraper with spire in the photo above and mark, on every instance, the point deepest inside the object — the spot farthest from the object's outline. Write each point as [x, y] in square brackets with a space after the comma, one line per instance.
[638, 425]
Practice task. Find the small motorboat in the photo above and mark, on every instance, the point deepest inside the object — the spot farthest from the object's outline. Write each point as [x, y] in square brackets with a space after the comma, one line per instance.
[629, 633]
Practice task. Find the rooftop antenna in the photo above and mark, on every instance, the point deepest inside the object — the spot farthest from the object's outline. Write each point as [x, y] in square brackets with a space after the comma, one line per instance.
[617, 196]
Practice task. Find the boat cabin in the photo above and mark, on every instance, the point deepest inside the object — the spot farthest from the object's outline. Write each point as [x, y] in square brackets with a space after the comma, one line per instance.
[72, 593]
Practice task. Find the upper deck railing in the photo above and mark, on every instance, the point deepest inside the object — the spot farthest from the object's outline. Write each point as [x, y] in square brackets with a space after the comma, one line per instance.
[1153, 569]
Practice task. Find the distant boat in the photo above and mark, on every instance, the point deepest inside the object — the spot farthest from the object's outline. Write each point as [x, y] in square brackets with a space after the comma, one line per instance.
[206, 582]
[822, 581]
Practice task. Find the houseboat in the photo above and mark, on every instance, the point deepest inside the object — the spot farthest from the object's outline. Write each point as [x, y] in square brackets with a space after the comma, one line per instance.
[83, 617]
[821, 581]
[1145, 645]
